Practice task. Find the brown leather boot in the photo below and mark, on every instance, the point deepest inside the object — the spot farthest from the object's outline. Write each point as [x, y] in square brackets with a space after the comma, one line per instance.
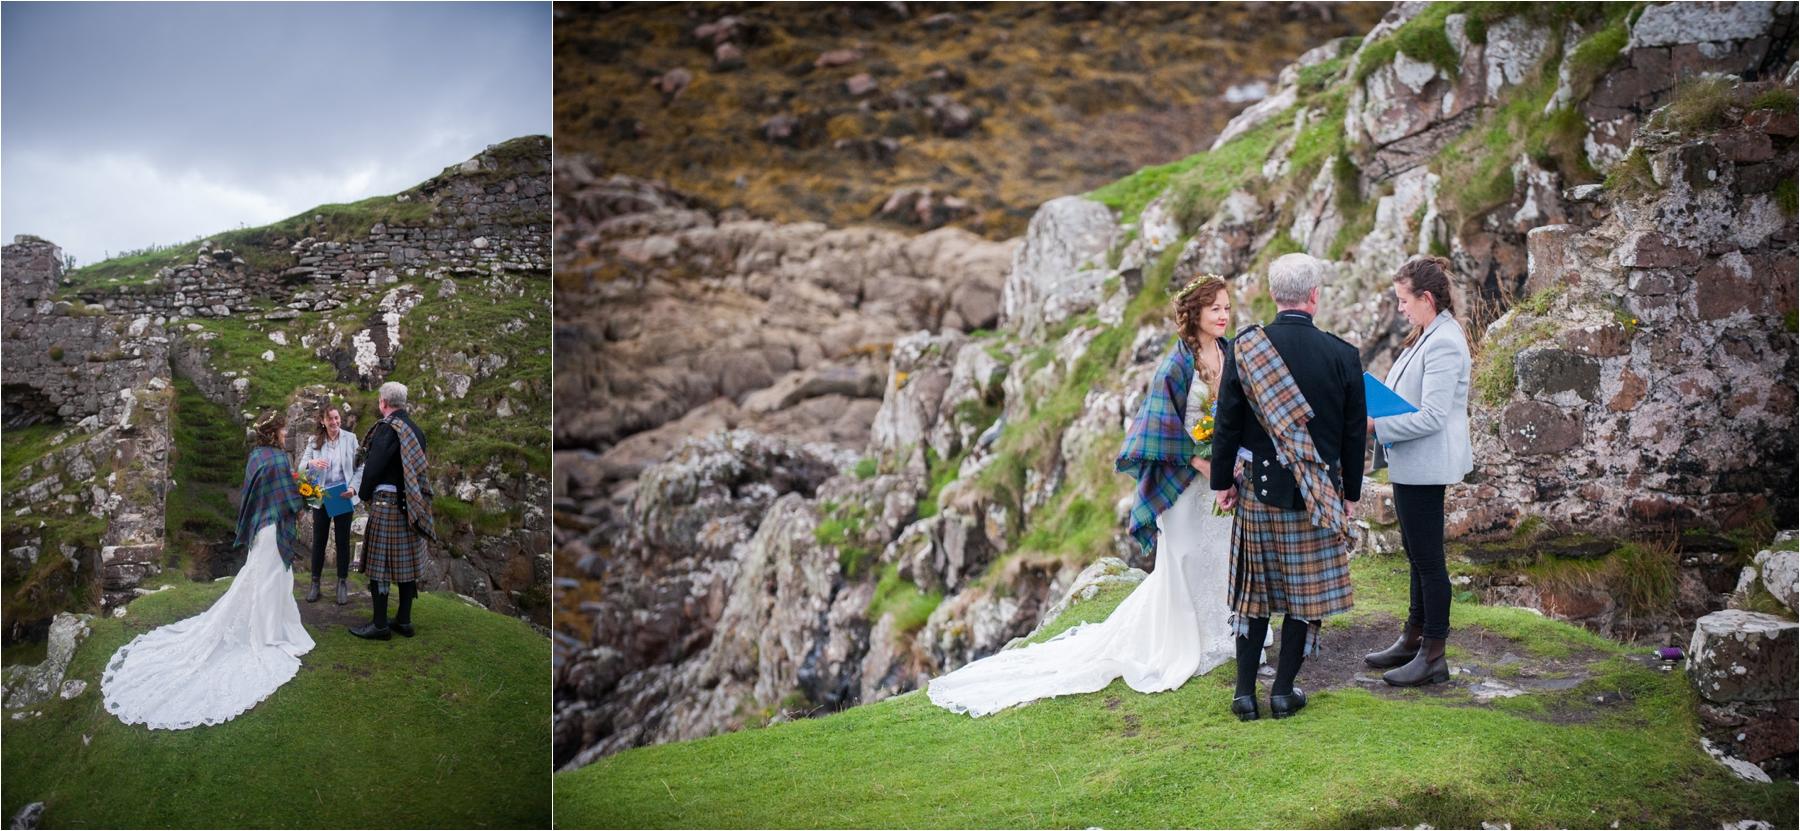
[1427, 667]
[1401, 652]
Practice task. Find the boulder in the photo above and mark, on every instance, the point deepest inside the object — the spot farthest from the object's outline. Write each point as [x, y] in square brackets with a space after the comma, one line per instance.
[1737, 655]
[32, 685]
[919, 373]
[1780, 572]
[1061, 265]
[1097, 577]
[1669, 24]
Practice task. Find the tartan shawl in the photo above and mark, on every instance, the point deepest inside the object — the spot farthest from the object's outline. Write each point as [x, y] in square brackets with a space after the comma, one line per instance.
[270, 496]
[1158, 447]
[1283, 412]
[412, 471]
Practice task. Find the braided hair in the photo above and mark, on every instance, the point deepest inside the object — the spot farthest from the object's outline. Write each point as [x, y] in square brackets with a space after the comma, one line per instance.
[1193, 299]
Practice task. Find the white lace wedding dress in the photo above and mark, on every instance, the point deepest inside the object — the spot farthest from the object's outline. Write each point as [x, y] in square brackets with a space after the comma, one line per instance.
[1172, 627]
[213, 666]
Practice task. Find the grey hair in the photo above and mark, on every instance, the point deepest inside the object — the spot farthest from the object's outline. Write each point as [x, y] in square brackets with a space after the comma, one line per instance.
[394, 393]
[1292, 277]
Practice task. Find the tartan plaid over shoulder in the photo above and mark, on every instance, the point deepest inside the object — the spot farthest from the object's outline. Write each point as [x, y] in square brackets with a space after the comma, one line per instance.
[394, 545]
[413, 471]
[1283, 412]
[270, 496]
[1158, 447]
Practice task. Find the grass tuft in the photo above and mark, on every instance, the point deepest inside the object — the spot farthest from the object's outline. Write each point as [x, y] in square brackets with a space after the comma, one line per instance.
[1781, 99]
[909, 604]
[841, 527]
[1699, 105]
[1632, 178]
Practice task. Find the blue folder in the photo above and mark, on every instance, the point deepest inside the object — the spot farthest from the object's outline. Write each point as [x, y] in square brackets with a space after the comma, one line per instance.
[336, 503]
[1383, 401]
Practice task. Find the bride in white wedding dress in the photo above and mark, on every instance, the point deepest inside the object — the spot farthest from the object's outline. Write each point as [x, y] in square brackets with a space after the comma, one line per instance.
[209, 668]
[1176, 623]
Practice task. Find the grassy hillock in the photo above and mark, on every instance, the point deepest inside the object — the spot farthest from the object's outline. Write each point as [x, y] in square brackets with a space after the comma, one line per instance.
[1602, 737]
[450, 729]
[265, 248]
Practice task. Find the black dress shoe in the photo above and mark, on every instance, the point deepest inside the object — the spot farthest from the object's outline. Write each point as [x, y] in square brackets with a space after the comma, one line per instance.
[312, 594]
[1399, 654]
[371, 632]
[1282, 706]
[402, 629]
[1244, 707]
[343, 591]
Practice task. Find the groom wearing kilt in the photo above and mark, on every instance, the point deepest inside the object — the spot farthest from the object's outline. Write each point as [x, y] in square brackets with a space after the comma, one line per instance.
[399, 496]
[1291, 404]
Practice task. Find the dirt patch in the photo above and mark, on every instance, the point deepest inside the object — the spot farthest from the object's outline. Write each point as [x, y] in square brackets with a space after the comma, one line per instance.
[1485, 668]
[326, 614]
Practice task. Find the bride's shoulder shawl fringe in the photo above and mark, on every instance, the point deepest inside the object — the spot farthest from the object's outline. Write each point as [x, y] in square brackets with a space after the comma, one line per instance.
[1158, 447]
[270, 496]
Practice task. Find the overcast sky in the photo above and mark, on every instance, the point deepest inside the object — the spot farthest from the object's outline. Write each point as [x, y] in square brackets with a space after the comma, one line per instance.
[124, 125]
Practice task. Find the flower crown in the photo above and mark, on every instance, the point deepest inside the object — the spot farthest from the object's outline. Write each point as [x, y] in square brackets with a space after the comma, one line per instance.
[267, 420]
[1195, 283]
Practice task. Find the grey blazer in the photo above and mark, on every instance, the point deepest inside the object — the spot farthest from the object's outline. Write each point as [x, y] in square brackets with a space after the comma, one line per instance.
[1431, 446]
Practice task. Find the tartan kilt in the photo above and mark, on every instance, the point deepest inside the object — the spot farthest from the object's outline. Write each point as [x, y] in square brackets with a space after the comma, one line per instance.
[392, 549]
[1281, 563]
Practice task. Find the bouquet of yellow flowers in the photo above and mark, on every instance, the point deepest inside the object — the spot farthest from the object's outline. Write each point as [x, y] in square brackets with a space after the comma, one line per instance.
[1203, 430]
[313, 494]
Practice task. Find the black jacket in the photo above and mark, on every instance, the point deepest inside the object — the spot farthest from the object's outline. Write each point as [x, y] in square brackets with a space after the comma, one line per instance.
[381, 462]
[1329, 374]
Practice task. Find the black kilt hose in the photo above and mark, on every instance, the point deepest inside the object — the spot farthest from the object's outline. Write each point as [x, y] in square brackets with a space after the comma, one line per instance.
[392, 550]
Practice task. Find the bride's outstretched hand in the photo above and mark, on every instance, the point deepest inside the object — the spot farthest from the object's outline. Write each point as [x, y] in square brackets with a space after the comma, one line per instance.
[1202, 465]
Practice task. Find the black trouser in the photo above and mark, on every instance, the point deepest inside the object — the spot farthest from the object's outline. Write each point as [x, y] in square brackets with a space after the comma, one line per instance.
[323, 522]
[1421, 512]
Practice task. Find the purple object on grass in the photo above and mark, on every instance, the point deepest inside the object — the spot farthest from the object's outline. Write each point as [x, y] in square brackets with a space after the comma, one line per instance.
[1669, 653]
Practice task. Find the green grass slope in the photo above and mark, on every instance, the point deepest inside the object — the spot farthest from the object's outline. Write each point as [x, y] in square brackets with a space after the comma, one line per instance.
[1360, 756]
[450, 729]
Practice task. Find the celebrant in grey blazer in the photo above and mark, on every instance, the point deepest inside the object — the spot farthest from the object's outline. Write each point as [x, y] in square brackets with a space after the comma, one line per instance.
[1426, 451]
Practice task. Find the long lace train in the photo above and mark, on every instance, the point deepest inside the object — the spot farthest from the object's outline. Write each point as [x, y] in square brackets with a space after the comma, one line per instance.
[213, 666]
[1173, 626]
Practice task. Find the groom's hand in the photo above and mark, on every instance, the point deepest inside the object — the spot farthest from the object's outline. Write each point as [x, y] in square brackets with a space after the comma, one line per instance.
[1228, 498]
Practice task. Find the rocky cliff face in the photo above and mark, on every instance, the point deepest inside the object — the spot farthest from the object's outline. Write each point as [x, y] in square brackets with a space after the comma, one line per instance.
[1624, 305]
[444, 287]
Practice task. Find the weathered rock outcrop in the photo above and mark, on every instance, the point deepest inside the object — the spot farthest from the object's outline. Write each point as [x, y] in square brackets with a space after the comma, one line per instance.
[1605, 401]
[97, 385]
[669, 313]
